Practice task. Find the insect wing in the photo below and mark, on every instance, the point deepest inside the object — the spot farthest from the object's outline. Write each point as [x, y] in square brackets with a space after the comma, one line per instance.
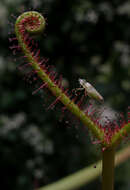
[93, 93]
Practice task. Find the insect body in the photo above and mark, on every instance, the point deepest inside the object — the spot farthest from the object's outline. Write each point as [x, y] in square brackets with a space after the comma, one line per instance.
[90, 90]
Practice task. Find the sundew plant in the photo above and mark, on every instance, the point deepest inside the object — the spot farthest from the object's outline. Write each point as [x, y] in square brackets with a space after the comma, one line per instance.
[108, 135]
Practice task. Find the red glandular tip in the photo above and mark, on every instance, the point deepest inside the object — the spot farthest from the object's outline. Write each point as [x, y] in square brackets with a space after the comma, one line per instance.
[41, 87]
[107, 120]
[52, 105]
[12, 39]
[115, 126]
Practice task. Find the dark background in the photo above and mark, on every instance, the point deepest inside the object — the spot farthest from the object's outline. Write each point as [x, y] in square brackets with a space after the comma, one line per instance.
[83, 39]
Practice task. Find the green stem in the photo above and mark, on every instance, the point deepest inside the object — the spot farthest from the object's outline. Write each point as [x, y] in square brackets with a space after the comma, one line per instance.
[23, 24]
[85, 175]
[108, 169]
[76, 180]
[33, 22]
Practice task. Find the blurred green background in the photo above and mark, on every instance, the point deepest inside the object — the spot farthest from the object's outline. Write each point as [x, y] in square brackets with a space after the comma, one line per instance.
[83, 39]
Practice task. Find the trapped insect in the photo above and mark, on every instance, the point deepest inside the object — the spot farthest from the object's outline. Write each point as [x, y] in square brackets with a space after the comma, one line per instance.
[90, 90]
